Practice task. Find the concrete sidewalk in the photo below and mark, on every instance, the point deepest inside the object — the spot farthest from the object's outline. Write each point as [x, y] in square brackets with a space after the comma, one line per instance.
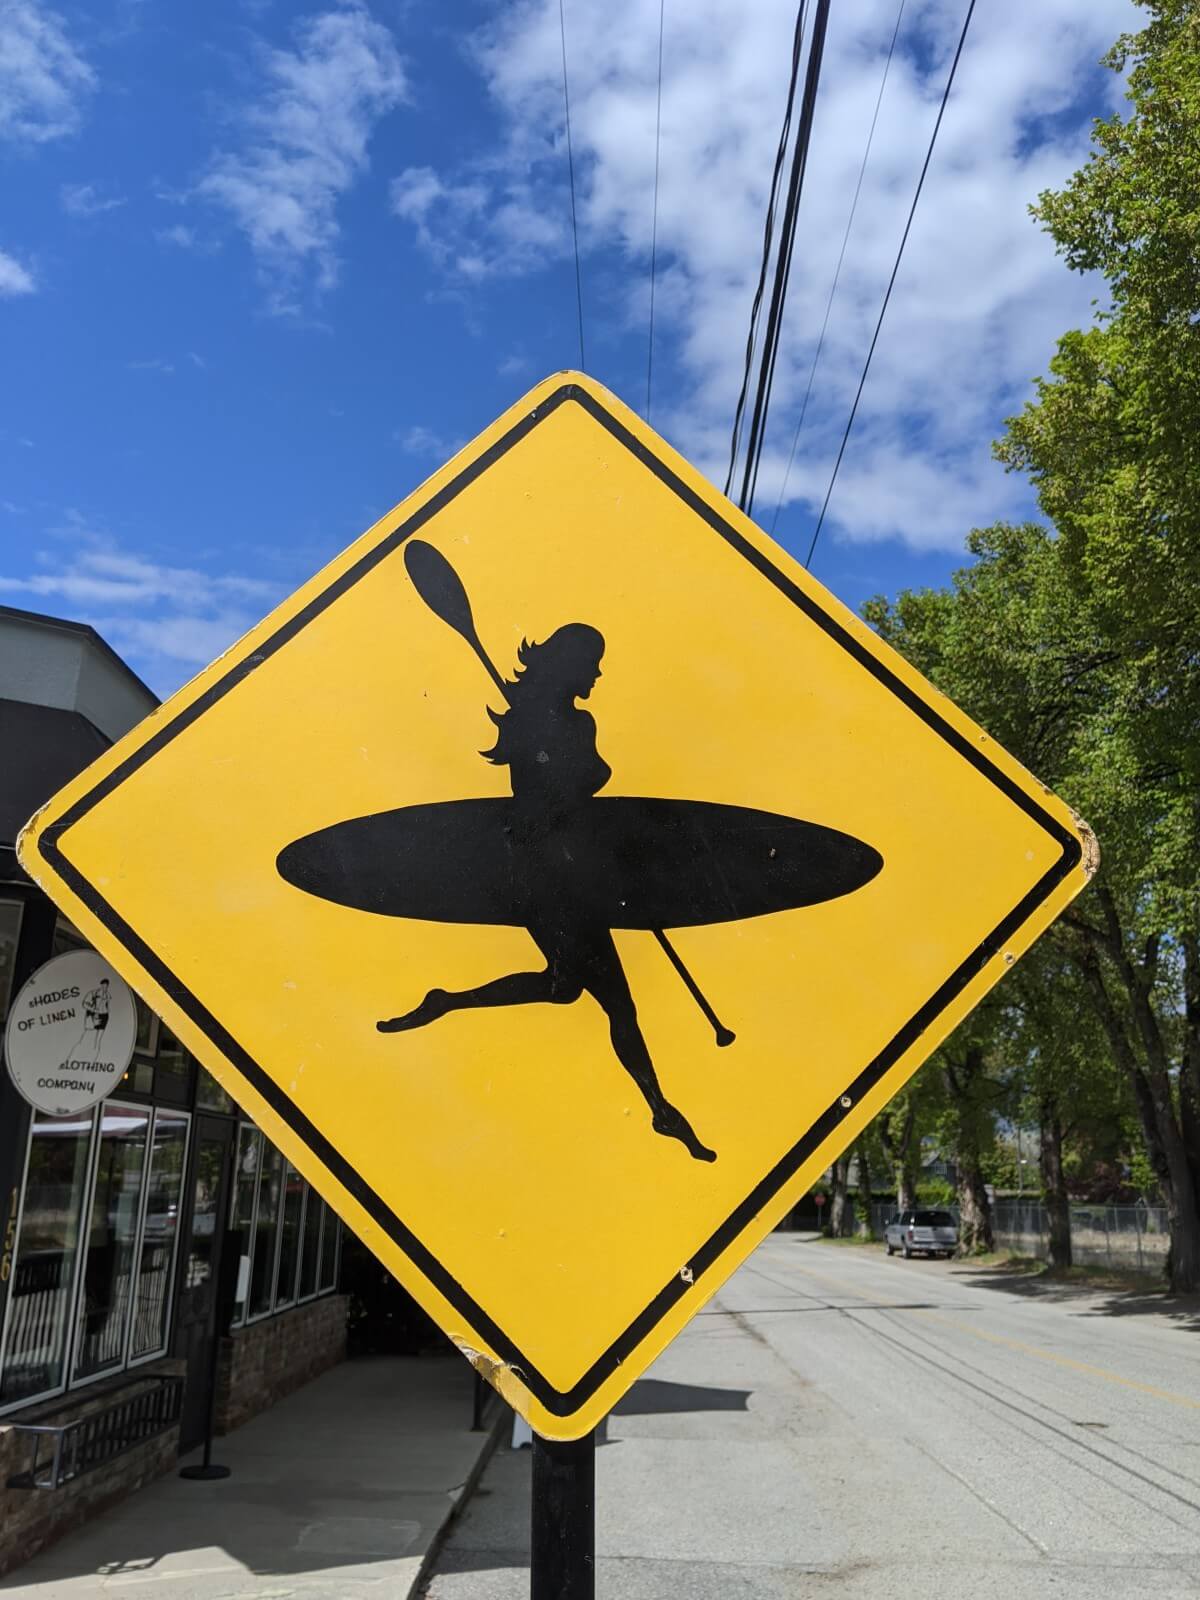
[346, 1484]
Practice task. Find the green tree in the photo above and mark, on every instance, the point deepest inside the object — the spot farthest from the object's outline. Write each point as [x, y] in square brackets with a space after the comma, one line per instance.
[1112, 444]
[1063, 1077]
[1080, 648]
[1018, 646]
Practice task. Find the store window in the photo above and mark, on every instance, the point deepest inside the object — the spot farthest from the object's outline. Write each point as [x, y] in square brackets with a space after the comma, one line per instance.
[266, 1223]
[289, 1235]
[96, 1247]
[10, 932]
[67, 936]
[210, 1096]
[43, 1275]
[173, 1068]
[206, 1192]
[245, 1192]
[331, 1251]
[160, 1231]
[310, 1252]
[108, 1273]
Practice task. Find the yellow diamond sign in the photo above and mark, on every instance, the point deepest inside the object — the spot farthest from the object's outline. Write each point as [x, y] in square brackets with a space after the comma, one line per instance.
[561, 878]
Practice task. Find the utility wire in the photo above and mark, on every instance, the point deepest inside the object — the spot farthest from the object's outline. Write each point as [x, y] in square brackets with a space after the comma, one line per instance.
[962, 39]
[783, 265]
[654, 225]
[768, 235]
[812, 371]
[562, 29]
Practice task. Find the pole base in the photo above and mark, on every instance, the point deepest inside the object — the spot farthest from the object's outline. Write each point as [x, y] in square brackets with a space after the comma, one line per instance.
[204, 1473]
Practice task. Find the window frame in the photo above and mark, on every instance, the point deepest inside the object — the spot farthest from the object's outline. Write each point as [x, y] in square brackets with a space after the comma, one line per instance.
[128, 1360]
[19, 903]
[97, 1139]
[172, 1267]
[72, 1298]
[310, 1197]
[276, 1306]
[278, 1303]
[245, 1127]
[71, 1348]
[261, 1316]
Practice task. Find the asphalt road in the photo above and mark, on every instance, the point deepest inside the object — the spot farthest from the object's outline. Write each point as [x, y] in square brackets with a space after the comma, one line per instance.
[838, 1424]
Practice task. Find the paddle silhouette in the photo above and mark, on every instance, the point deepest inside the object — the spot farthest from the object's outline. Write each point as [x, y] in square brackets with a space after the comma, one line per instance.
[564, 862]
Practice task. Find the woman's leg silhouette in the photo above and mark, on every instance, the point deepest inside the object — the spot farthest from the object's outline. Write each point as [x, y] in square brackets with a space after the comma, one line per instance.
[577, 959]
[592, 954]
[518, 989]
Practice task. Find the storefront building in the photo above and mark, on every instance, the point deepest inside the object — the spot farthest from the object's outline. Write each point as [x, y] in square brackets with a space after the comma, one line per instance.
[118, 1224]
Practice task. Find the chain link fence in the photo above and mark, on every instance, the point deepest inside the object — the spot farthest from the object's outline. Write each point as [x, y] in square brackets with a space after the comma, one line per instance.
[1132, 1238]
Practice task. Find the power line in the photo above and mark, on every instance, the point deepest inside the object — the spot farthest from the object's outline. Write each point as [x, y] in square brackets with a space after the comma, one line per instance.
[783, 265]
[962, 39]
[654, 225]
[768, 234]
[812, 371]
[562, 29]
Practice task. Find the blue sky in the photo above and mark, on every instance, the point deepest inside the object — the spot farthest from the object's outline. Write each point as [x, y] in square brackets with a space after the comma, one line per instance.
[264, 265]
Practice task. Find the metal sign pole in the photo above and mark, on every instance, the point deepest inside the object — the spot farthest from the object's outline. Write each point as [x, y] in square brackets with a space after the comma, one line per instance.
[562, 1562]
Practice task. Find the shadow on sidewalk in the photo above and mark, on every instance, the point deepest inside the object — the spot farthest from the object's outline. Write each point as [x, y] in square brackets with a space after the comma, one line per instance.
[348, 1481]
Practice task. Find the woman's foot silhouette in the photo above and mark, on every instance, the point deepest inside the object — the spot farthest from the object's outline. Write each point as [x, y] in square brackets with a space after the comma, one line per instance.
[435, 1004]
[674, 1125]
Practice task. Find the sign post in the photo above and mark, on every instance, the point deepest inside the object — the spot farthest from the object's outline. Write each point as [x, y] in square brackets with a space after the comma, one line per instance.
[628, 866]
[562, 1546]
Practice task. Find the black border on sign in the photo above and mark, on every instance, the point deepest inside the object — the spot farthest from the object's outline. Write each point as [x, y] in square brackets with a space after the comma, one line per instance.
[560, 1403]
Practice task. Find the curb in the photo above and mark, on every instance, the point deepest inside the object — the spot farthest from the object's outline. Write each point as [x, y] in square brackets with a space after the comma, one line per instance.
[488, 1443]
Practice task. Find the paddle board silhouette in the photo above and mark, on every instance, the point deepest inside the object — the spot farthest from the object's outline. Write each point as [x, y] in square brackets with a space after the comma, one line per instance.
[564, 862]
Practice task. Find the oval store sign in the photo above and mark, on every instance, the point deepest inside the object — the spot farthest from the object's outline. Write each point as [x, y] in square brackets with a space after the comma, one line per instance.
[70, 1033]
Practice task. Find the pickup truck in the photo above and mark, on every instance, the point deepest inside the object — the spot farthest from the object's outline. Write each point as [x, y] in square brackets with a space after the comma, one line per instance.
[934, 1233]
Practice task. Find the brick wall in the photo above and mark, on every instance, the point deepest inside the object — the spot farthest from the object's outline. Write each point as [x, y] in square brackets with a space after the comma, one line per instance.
[268, 1359]
[33, 1518]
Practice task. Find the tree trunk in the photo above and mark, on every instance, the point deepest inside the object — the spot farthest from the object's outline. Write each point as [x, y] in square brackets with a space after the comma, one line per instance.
[962, 1078]
[1054, 1188]
[1190, 1076]
[975, 1234]
[1155, 1100]
[864, 1191]
[906, 1182]
[1182, 1216]
[899, 1146]
[840, 1215]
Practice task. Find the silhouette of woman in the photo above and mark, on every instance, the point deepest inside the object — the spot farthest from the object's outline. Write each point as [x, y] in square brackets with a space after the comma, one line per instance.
[548, 744]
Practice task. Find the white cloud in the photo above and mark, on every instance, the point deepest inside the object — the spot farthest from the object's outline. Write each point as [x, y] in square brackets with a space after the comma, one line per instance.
[85, 200]
[183, 237]
[43, 78]
[14, 278]
[152, 610]
[981, 295]
[421, 441]
[156, 364]
[306, 144]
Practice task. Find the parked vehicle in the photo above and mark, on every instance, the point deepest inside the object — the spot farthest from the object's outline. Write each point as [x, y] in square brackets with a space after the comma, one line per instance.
[934, 1233]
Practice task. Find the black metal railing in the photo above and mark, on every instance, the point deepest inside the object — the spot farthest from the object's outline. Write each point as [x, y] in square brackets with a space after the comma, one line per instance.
[65, 1450]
